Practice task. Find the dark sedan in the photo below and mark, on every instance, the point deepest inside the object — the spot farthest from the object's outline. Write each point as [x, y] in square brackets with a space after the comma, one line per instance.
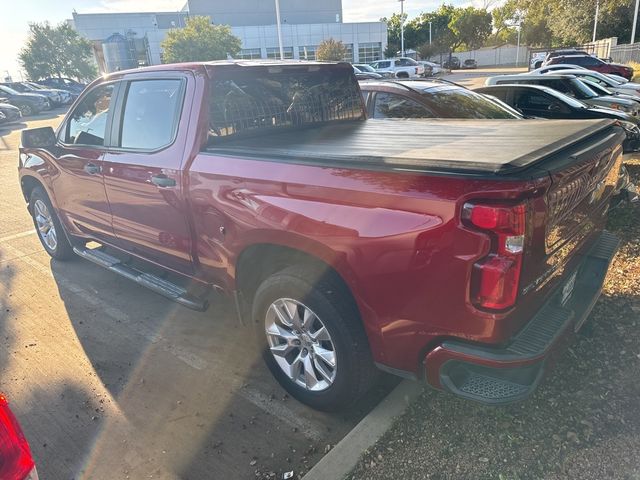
[63, 84]
[28, 103]
[544, 102]
[11, 113]
[432, 98]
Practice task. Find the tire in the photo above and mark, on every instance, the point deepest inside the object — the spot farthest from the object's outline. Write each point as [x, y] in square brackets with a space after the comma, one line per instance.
[305, 292]
[26, 110]
[50, 230]
[402, 75]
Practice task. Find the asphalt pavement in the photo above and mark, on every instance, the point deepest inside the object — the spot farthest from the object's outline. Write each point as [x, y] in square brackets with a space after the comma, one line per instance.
[110, 380]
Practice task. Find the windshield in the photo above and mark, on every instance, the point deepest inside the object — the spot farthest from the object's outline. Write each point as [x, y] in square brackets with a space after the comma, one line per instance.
[581, 91]
[8, 90]
[454, 102]
[566, 98]
[597, 87]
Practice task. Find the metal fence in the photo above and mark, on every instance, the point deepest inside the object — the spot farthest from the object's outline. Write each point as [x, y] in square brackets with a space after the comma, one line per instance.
[626, 53]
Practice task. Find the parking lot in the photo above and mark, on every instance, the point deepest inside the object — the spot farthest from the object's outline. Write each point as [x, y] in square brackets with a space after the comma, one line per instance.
[112, 381]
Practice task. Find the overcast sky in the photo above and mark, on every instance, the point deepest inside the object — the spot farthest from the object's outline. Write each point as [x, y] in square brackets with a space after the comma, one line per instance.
[16, 16]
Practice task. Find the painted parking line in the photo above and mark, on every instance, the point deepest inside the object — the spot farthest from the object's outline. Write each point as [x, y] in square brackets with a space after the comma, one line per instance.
[15, 236]
[279, 410]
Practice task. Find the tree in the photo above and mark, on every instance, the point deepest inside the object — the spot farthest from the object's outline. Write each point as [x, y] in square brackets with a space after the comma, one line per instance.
[199, 41]
[55, 52]
[331, 50]
[471, 27]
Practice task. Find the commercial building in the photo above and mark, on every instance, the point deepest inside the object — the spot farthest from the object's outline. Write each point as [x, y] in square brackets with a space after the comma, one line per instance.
[126, 40]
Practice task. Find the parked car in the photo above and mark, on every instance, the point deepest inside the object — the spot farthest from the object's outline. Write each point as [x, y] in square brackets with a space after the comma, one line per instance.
[593, 63]
[543, 102]
[629, 88]
[569, 85]
[430, 68]
[360, 75]
[28, 103]
[363, 67]
[600, 90]
[451, 63]
[16, 461]
[428, 99]
[63, 83]
[428, 248]
[554, 69]
[536, 60]
[55, 97]
[469, 63]
[10, 112]
[402, 67]
[563, 52]
[66, 97]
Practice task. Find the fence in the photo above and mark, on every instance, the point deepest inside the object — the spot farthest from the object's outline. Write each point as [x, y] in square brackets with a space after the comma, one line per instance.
[626, 53]
[494, 56]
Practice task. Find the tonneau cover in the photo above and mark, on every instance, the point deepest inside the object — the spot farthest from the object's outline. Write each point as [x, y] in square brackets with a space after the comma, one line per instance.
[482, 146]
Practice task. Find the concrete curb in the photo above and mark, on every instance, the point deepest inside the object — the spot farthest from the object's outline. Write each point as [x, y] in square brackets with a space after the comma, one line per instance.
[345, 455]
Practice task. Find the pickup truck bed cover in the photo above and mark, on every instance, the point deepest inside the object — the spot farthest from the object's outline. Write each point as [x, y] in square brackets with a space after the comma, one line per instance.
[471, 146]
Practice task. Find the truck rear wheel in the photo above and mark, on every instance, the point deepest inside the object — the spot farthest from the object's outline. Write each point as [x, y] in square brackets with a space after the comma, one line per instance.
[50, 232]
[312, 338]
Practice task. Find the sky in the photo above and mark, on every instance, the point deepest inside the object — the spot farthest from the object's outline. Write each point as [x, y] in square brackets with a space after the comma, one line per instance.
[14, 25]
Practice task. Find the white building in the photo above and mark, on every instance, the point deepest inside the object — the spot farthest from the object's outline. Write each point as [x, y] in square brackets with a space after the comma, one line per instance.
[126, 40]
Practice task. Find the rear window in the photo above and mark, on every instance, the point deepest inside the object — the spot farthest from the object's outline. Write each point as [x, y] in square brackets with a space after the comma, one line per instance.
[259, 99]
[452, 102]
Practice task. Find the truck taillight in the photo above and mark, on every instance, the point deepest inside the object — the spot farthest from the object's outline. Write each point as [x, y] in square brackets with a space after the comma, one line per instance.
[16, 462]
[495, 278]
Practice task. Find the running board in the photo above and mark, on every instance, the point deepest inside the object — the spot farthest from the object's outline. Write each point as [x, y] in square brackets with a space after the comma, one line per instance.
[152, 282]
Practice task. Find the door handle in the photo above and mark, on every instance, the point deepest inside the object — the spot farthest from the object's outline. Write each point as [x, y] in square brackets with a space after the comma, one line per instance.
[92, 169]
[163, 181]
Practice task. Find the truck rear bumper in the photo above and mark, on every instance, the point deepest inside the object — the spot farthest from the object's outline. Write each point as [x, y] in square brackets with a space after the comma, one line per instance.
[510, 373]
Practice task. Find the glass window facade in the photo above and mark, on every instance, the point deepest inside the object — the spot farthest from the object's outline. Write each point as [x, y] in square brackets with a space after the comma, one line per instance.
[249, 53]
[370, 52]
[274, 52]
[349, 55]
[307, 52]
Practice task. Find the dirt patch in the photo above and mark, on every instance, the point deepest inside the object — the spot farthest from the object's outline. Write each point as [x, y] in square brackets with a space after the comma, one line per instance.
[583, 422]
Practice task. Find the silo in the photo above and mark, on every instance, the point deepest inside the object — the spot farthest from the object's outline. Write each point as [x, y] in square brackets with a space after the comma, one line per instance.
[117, 55]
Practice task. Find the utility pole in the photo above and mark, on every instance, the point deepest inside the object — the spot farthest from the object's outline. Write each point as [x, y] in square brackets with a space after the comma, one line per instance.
[635, 20]
[595, 21]
[401, 28]
[279, 30]
[518, 48]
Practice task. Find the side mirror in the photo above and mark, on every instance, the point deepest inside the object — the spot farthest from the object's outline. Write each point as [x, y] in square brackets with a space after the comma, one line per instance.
[38, 137]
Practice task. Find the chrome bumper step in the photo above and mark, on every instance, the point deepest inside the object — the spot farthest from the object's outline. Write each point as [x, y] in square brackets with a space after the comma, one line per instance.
[152, 282]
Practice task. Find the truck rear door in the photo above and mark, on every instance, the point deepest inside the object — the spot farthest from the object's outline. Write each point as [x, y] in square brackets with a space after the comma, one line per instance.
[142, 171]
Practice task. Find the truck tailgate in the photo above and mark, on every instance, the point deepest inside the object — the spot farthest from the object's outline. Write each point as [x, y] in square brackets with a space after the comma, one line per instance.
[468, 146]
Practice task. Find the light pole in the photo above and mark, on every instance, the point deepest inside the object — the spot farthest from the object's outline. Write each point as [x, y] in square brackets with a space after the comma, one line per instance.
[595, 21]
[430, 30]
[635, 20]
[518, 47]
[279, 30]
[401, 28]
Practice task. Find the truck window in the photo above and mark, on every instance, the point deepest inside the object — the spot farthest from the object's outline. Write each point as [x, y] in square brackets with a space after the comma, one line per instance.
[88, 122]
[150, 114]
[256, 100]
[389, 105]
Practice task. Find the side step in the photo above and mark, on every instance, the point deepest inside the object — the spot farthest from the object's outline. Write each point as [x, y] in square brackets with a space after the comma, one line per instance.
[152, 282]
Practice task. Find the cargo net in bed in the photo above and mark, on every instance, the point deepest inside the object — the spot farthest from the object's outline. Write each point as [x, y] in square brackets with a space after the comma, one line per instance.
[262, 102]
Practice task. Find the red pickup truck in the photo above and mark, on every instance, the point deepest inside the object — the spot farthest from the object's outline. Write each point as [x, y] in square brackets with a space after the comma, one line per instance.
[457, 252]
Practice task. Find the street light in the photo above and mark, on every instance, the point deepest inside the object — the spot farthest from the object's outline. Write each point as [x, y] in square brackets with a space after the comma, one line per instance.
[279, 30]
[401, 27]
[430, 32]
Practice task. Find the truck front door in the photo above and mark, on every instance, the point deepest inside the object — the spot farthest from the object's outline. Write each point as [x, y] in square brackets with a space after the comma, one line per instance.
[142, 172]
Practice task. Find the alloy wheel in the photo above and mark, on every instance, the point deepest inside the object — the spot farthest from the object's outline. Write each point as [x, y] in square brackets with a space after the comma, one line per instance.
[44, 222]
[301, 344]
